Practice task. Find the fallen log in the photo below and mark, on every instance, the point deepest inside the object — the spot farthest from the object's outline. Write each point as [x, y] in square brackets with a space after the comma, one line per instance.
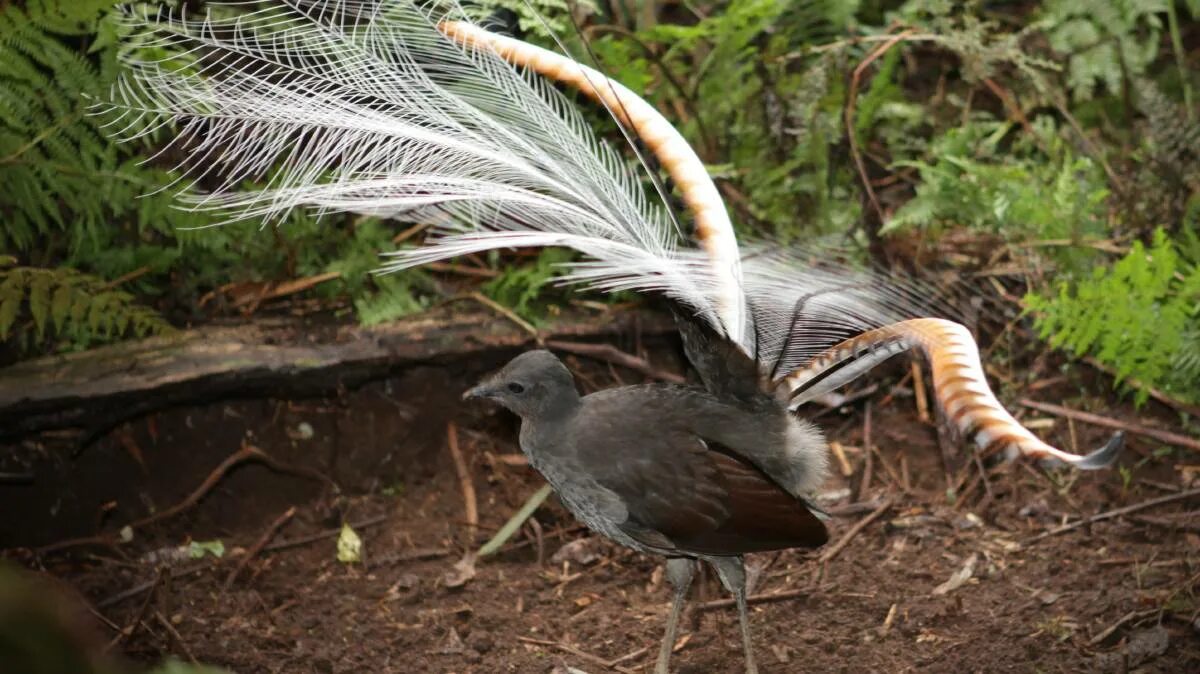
[97, 389]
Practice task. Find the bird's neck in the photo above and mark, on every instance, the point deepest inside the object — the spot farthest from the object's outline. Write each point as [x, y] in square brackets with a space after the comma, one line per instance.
[546, 431]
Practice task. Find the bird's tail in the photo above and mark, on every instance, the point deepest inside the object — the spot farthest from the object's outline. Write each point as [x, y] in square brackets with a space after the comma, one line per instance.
[394, 109]
[959, 385]
[782, 331]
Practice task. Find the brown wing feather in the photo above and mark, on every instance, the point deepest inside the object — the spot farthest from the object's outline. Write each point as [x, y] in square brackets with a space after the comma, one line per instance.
[762, 516]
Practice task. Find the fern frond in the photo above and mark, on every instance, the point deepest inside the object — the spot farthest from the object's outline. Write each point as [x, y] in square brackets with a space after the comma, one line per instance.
[1133, 317]
[70, 309]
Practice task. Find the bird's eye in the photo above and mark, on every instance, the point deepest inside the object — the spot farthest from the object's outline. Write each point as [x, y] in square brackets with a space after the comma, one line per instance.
[516, 388]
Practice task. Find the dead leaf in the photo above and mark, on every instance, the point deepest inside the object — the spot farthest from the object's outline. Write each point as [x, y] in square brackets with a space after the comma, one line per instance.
[462, 571]
[582, 551]
[453, 644]
[781, 653]
[959, 578]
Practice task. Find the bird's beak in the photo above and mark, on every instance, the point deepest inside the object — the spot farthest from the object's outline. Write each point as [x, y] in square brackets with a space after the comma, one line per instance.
[483, 390]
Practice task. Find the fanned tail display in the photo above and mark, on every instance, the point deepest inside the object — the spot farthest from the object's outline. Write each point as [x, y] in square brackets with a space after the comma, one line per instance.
[391, 109]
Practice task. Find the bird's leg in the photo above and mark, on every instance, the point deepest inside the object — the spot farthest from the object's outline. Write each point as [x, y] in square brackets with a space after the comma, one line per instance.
[732, 572]
[680, 571]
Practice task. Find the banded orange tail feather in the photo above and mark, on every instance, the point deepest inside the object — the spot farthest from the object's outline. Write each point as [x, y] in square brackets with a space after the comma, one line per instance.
[959, 385]
[713, 229]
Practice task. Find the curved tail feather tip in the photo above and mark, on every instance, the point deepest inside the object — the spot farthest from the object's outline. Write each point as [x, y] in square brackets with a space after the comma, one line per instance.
[959, 386]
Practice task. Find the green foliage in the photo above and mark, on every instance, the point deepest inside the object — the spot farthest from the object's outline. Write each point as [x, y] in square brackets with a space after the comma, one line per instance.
[763, 112]
[520, 288]
[1049, 121]
[1037, 187]
[68, 308]
[1141, 317]
[1105, 43]
[541, 19]
[74, 198]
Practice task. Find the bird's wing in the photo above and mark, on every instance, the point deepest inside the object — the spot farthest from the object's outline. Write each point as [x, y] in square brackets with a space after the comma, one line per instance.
[682, 492]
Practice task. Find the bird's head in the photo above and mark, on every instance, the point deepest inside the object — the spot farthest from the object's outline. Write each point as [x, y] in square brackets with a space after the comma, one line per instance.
[535, 384]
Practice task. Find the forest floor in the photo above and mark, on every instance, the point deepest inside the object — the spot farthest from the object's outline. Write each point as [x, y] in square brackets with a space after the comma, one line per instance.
[926, 584]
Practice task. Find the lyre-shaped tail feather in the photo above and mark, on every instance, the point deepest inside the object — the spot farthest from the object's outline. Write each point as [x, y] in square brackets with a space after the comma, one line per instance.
[959, 385]
[713, 229]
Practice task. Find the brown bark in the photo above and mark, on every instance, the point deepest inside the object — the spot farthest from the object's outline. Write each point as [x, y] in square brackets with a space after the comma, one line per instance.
[97, 389]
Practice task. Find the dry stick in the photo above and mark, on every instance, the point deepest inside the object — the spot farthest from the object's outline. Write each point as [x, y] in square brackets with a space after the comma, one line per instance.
[281, 545]
[129, 631]
[410, 232]
[410, 556]
[465, 483]
[505, 312]
[259, 545]
[1097, 420]
[987, 484]
[1158, 395]
[566, 648]
[867, 459]
[176, 636]
[855, 152]
[270, 292]
[1166, 523]
[836, 548]
[919, 392]
[629, 656]
[854, 508]
[463, 270]
[328, 533]
[1109, 514]
[246, 453]
[756, 599]
[611, 354]
[1128, 617]
[892, 475]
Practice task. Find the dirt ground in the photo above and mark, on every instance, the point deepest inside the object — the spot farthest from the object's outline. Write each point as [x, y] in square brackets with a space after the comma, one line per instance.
[932, 584]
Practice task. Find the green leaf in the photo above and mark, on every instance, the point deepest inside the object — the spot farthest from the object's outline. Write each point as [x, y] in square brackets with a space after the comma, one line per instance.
[349, 546]
[198, 549]
[39, 300]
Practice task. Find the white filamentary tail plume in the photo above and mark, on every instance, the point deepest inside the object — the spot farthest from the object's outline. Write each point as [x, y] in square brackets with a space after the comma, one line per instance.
[365, 107]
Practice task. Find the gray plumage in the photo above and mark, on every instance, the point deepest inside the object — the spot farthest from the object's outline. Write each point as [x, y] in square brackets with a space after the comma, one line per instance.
[671, 470]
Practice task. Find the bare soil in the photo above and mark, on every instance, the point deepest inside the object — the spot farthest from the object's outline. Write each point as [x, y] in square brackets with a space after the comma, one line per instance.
[1045, 606]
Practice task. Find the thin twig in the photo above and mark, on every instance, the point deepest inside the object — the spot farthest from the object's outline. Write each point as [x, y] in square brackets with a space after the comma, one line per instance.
[129, 631]
[755, 599]
[1128, 617]
[410, 232]
[464, 483]
[629, 656]
[273, 291]
[566, 648]
[611, 354]
[868, 459]
[919, 392]
[259, 545]
[851, 509]
[855, 530]
[1158, 395]
[1097, 420]
[245, 453]
[463, 270]
[1109, 514]
[505, 312]
[410, 556]
[852, 98]
[162, 620]
[321, 535]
